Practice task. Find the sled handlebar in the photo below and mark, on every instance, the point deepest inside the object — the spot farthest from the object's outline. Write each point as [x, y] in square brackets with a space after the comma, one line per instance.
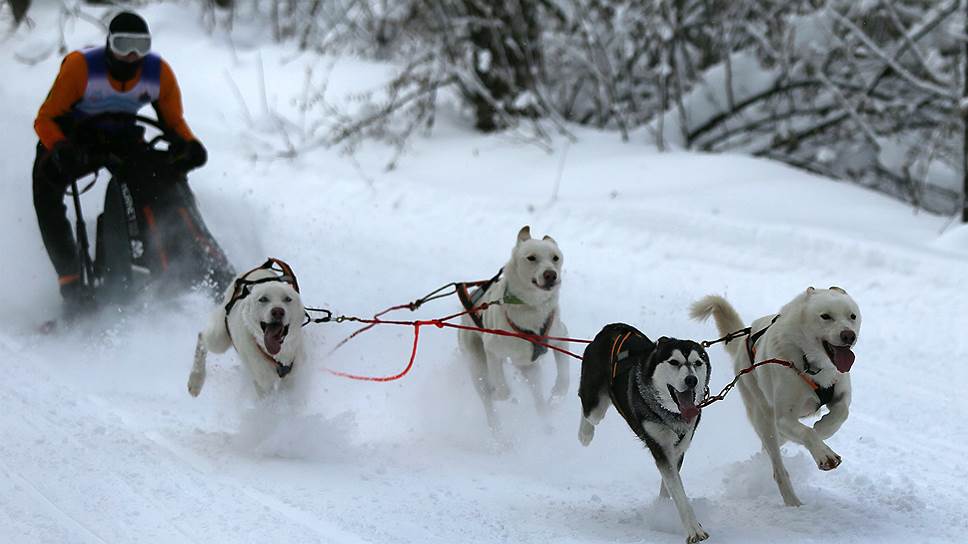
[118, 142]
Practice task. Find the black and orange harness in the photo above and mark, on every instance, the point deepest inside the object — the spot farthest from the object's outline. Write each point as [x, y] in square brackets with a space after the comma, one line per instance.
[243, 288]
[620, 362]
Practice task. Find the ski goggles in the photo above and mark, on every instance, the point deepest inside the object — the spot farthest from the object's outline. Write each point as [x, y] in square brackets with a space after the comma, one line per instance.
[125, 43]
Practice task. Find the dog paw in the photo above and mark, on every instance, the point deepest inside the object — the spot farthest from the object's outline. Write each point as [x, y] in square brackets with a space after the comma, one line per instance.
[195, 382]
[585, 434]
[829, 462]
[696, 534]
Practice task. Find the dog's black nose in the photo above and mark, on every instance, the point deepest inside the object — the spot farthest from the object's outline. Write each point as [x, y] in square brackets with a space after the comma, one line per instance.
[550, 276]
[277, 313]
[848, 337]
[691, 381]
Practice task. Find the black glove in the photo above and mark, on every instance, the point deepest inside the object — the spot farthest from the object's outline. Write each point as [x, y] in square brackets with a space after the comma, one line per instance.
[190, 156]
[66, 159]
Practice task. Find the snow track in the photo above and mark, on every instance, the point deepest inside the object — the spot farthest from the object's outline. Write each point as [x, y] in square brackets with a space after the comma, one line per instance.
[100, 441]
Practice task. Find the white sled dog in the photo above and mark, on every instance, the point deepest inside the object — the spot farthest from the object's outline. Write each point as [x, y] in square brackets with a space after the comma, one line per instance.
[815, 332]
[261, 317]
[528, 294]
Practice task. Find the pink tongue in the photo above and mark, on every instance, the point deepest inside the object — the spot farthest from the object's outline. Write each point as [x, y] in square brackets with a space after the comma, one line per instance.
[273, 338]
[687, 406]
[843, 359]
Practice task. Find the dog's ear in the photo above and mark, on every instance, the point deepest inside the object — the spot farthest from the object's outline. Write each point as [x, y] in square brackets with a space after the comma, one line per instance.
[524, 234]
[549, 239]
[838, 289]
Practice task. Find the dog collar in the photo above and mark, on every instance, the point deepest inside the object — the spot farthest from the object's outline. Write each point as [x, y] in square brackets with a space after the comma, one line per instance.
[510, 298]
[808, 368]
[281, 370]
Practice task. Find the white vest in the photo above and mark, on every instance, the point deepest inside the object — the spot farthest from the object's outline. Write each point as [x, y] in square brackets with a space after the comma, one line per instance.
[101, 97]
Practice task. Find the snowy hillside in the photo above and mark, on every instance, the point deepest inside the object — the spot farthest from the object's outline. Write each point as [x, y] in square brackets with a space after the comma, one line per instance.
[100, 441]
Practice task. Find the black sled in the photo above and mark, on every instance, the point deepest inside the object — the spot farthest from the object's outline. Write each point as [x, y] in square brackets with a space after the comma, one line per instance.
[150, 236]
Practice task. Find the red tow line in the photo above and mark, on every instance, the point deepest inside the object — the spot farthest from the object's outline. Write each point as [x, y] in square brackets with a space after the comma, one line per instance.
[440, 324]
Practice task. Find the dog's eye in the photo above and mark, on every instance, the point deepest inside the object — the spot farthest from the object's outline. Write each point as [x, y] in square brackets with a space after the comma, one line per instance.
[532, 258]
[287, 299]
[673, 362]
[555, 258]
[698, 363]
[853, 317]
[825, 317]
[263, 299]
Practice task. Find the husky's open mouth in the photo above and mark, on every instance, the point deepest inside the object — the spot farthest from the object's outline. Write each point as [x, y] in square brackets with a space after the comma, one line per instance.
[273, 334]
[546, 287]
[841, 356]
[686, 401]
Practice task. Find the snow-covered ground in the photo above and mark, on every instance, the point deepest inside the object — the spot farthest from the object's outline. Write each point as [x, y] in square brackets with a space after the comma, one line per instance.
[100, 441]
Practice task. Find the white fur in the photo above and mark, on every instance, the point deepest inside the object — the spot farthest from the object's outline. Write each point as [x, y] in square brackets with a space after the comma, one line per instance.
[673, 372]
[524, 277]
[776, 397]
[244, 324]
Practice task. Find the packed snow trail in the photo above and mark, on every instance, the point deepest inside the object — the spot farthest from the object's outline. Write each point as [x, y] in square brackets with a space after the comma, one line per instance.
[100, 441]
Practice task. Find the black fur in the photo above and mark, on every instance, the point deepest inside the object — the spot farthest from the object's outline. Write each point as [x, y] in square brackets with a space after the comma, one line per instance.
[635, 364]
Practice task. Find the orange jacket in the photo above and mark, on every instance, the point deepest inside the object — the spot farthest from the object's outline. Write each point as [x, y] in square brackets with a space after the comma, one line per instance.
[71, 83]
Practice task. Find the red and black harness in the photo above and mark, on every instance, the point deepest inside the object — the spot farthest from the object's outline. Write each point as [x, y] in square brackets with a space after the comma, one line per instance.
[243, 288]
[469, 300]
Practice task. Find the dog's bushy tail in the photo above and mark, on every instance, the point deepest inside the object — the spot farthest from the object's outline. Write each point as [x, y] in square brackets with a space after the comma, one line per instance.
[726, 317]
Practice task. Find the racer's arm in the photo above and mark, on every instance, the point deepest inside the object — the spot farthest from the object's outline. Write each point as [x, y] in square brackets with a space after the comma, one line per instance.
[169, 104]
[67, 90]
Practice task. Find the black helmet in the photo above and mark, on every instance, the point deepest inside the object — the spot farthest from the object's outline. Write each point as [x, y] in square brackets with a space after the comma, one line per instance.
[127, 33]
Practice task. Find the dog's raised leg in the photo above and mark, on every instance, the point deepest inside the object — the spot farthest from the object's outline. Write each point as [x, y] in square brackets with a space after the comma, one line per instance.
[791, 427]
[592, 415]
[832, 420]
[197, 377]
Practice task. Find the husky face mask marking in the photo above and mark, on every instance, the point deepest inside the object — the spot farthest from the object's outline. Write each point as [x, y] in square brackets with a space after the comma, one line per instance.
[832, 319]
[680, 376]
[537, 262]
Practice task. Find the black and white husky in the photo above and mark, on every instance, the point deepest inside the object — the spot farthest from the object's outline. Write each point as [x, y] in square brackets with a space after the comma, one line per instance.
[655, 387]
